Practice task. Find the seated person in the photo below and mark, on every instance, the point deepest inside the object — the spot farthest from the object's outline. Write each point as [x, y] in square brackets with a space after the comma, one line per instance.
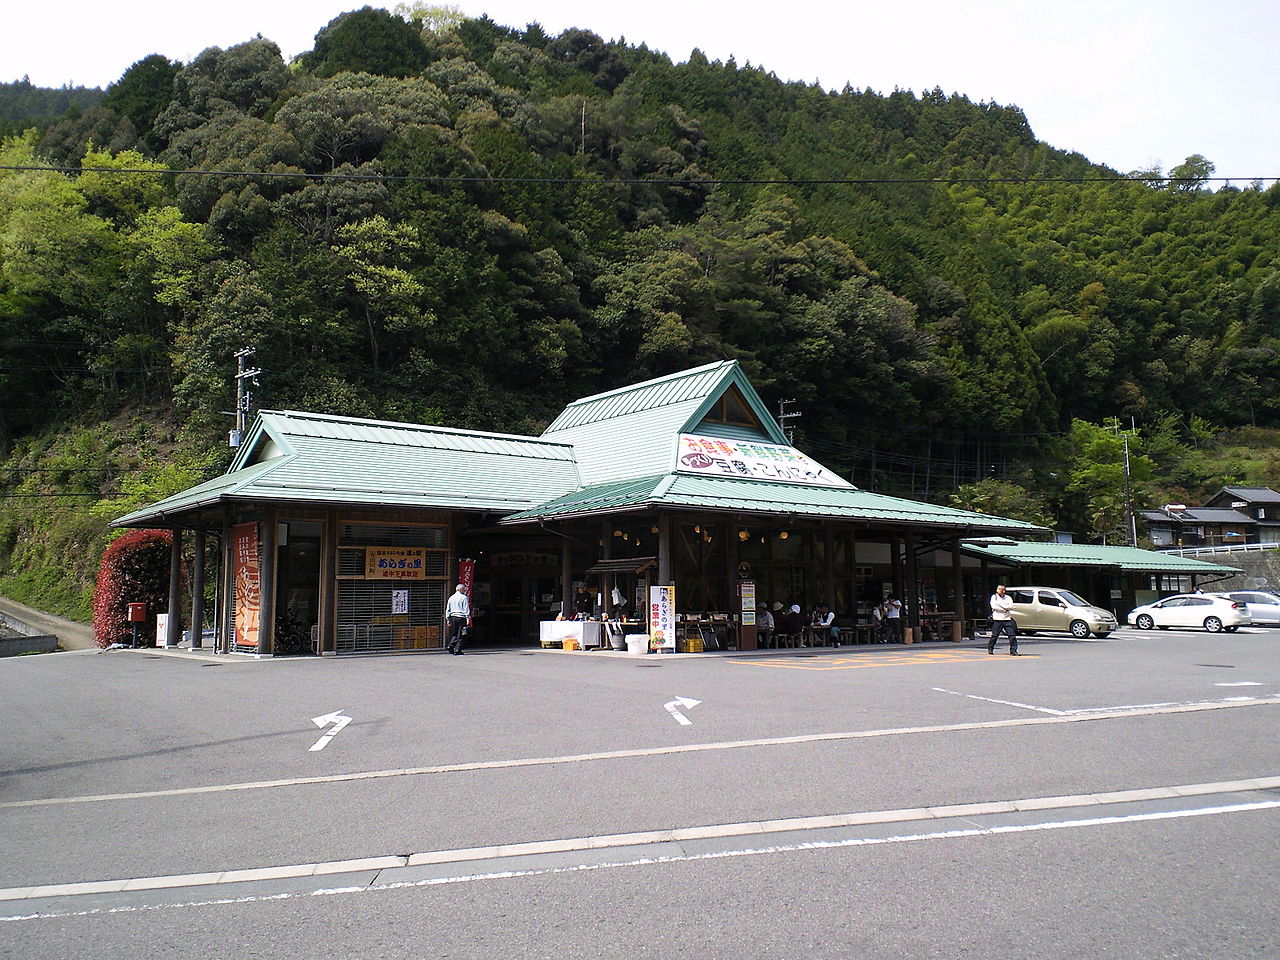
[764, 625]
[791, 621]
[877, 623]
[822, 628]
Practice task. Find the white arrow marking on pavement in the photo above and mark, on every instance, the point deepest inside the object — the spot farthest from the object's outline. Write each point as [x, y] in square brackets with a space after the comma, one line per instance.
[337, 719]
[685, 702]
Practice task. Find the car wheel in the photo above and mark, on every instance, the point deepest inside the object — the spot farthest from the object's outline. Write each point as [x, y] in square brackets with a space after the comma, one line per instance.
[1213, 624]
[1079, 629]
[1144, 621]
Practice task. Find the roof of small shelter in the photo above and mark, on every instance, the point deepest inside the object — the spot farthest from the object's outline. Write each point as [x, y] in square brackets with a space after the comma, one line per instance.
[318, 458]
[1019, 553]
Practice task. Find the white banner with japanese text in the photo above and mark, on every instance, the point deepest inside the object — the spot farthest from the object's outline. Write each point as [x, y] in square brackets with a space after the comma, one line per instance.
[749, 460]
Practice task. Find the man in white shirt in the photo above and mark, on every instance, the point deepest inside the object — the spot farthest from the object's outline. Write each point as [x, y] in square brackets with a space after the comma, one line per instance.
[893, 617]
[1002, 621]
[457, 614]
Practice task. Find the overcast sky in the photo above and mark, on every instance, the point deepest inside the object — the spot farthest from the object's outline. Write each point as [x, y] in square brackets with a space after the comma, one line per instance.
[1128, 84]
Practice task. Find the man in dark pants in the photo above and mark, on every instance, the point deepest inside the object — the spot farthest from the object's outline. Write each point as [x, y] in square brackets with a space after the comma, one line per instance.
[1002, 621]
[457, 613]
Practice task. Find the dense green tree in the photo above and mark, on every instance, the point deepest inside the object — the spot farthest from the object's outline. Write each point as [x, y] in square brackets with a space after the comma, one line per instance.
[142, 92]
[367, 40]
[1003, 498]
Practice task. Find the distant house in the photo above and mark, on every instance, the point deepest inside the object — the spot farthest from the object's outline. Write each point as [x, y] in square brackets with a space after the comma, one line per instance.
[1231, 517]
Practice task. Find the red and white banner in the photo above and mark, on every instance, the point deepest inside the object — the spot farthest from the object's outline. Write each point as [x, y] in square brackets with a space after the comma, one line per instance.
[467, 575]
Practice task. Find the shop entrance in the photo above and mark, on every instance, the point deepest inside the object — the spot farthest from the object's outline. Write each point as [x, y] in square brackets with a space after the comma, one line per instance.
[297, 585]
[520, 602]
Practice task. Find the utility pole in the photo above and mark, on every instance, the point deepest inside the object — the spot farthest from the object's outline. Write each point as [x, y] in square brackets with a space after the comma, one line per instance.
[784, 416]
[244, 399]
[1130, 519]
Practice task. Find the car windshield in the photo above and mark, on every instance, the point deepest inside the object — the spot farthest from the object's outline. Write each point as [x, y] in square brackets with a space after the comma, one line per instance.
[1073, 598]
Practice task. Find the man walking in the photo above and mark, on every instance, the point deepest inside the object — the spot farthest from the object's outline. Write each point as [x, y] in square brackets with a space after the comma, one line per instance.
[1002, 621]
[457, 613]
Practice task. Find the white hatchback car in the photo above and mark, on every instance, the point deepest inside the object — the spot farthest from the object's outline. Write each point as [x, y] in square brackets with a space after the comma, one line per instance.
[1264, 606]
[1213, 613]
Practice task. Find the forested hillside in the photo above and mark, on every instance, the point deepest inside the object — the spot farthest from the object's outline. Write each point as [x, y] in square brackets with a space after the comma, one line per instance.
[451, 221]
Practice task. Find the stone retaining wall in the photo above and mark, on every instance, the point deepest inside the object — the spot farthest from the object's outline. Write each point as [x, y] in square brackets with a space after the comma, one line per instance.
[16, 646]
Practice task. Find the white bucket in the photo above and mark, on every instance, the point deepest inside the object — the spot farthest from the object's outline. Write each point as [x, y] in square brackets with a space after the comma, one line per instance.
[637, 644]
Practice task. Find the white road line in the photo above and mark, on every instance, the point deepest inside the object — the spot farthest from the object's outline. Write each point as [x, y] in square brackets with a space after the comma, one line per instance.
[1240, 683]
[1007, 703]
[682, 858]
[480, 765]
[1118, 709]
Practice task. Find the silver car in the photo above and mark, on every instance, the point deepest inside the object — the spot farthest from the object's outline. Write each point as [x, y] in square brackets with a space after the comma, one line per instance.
[1055, 609]
[1264, 606]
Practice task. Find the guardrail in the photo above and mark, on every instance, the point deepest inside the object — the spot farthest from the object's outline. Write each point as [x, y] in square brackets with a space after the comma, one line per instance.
[1227, 548]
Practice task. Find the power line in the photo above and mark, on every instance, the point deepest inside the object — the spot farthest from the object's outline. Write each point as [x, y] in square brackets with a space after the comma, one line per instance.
[665, 181]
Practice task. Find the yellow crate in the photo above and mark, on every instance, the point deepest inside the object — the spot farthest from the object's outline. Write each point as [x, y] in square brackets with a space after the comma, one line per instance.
[689, 645]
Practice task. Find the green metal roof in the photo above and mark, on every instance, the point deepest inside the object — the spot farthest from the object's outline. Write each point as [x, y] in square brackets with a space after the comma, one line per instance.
[315, 458]
[1027, 553]
[632, 431]
[752, 496]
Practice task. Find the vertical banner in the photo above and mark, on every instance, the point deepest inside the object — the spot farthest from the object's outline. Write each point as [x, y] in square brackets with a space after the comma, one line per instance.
[662, 617]
[248, 579]
[467, 576]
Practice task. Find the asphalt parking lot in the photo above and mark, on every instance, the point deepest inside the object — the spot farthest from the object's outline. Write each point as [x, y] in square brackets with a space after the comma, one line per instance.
[411, 774]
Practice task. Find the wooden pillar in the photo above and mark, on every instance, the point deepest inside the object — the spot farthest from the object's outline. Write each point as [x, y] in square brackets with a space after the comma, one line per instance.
[829, 564]
[566, 578]
[173, 632]
[895, 546]
[267, 588]
[227, 589]
[327, 603]
[957, 586]
[664, 549]
[730, 601]
[197, 593]
[606, 582]
[911, 599]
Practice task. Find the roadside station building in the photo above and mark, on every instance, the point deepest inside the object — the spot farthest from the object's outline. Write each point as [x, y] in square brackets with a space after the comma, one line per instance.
[337, 534]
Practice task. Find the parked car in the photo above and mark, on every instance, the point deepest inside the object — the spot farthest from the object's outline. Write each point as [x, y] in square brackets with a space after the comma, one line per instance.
[1264, 606]
[1053, 608]
[1192, 610]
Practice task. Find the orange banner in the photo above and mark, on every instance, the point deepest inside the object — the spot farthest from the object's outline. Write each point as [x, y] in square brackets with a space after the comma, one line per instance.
[248, 579]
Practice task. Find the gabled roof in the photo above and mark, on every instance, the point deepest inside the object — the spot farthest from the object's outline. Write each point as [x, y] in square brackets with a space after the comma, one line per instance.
[1019, 553]
[1248, 494]
[749, 496]
[1199, 515]
[317, 458]
[632, 431]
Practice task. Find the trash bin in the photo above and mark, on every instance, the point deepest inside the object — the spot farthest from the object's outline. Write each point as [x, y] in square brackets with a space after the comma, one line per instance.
[637, 644]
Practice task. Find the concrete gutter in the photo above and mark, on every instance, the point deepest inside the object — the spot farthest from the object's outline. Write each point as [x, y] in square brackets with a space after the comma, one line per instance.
[29, 622]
